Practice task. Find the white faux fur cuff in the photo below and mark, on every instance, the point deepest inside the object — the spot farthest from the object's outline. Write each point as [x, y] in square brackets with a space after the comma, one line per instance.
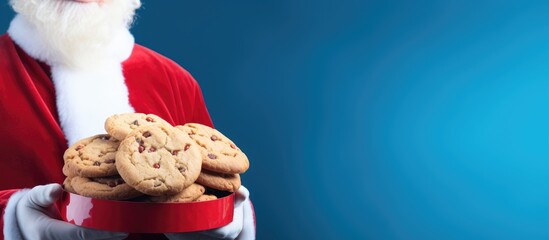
[11, 228]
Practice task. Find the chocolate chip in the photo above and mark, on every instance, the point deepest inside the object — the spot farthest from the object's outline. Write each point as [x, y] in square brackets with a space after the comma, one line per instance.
[146, 134]
[212, 156]
[214, 138]
[141, 148]
[136, 123]
[175, 152]
[156, 165]
[233, 146]
[112, 184]
[97, 163]
[149, 119]
[79, 147]
[182, 169]
[110, 161]
[152, 149]
[187, 146]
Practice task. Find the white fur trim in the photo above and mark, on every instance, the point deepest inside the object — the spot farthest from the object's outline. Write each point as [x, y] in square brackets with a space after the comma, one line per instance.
[85, 97]
[11, 228]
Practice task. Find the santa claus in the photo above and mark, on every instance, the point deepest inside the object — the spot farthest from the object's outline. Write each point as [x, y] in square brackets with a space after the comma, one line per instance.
[65, 66]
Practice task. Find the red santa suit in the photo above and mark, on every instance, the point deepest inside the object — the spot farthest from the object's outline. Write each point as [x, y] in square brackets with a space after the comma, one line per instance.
[43, 105]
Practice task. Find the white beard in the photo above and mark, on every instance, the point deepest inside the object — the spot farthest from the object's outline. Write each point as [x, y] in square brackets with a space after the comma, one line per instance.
[76, 34]
[85, 45]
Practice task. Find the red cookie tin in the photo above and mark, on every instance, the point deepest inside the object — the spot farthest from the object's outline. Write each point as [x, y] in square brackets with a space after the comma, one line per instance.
[146, 217]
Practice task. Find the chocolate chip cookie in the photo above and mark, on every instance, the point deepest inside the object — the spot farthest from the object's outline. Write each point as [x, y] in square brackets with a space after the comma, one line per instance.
[158, 160]
[219, 153]
[110, 188]
[188, 194]
[120, 125]
[219, 181]
[92, 157]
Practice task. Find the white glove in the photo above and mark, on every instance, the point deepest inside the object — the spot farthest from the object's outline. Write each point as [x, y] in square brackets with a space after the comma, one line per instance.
[242, 227]
[31, 214]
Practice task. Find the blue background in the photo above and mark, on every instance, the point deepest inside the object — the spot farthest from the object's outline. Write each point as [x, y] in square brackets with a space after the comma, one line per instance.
[375, 119]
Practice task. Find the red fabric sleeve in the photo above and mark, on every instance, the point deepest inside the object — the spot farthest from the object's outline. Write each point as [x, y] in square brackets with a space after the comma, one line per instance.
[4, 197]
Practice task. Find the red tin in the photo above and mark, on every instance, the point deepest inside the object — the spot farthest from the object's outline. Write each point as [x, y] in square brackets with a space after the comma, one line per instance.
[146, 217]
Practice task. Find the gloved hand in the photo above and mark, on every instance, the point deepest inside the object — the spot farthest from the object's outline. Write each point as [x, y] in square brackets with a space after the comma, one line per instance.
[31, 214]
[242, 227]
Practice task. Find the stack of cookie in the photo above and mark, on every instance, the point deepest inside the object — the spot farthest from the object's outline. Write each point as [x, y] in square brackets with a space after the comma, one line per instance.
[144, 155]
[91, 170]
[222, 160]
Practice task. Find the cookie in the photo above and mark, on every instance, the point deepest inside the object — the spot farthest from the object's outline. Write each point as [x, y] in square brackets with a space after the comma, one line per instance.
[205, 197]
[158, 160]
[219, 153]
[92, 157]
[67, 185]
[219, 181]
[120, 125]
[110, 188]
[188, 194]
